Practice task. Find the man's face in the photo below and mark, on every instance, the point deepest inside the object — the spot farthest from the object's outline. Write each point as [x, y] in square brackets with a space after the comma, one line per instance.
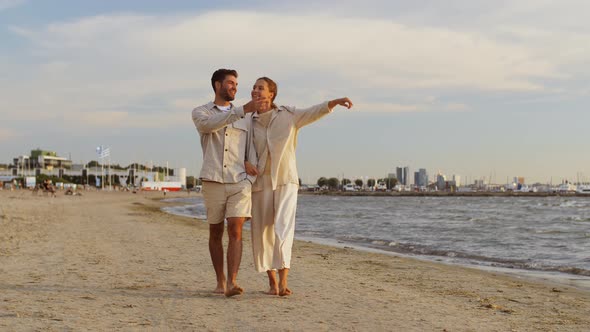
[228, 88]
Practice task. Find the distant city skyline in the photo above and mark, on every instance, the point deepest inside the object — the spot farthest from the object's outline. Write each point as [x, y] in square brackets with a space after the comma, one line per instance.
[477, 89]
[404, 174]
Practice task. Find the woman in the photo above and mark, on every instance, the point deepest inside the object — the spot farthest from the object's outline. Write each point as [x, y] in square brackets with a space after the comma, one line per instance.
[274, 193]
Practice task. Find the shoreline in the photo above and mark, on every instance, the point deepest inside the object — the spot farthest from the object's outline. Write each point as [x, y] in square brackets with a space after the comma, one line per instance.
[115, 261]
[441, 194]
[552, 277]
[556, 277]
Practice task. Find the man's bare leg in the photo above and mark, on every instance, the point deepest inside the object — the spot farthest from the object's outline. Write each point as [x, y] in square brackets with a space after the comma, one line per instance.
[272, 282]
[216, 252]
[283, 289]
[234, 255]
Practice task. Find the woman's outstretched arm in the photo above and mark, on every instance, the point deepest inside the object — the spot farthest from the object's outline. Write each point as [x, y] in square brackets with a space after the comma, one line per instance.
[340, 101]
[306, 116]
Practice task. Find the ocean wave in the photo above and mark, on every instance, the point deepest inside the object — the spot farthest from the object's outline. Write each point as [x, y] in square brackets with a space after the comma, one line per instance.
[467, 258]
[573, 203]
[191, 211]
[550, 231]
[475, 231]
[558, 219]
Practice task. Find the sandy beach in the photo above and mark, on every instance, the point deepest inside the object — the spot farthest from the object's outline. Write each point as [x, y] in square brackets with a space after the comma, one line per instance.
[114, 261]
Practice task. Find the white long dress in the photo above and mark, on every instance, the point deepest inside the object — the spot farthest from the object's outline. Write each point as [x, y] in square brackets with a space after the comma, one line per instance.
[273, 211]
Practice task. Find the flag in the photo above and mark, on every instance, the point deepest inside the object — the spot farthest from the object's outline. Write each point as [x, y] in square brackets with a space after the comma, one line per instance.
[103, 152]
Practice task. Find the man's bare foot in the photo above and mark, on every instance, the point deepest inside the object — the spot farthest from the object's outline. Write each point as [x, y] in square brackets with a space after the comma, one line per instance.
[236, 290]
[285, 292]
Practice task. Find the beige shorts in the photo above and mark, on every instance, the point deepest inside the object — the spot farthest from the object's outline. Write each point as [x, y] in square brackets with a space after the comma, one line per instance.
[227, 200]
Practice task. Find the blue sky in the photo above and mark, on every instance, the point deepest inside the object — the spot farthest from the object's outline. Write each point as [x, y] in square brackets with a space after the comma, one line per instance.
[473, 88]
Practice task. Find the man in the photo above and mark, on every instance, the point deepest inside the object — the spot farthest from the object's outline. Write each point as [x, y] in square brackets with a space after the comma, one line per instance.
[226, 186]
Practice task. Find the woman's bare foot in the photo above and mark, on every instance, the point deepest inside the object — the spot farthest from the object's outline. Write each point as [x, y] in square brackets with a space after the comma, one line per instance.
[272, 282]
[236, 290]
[283, 289]
[220, 288]
[285, 292]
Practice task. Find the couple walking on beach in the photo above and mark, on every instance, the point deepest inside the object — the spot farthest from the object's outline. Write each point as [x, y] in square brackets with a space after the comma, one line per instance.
[249, 172]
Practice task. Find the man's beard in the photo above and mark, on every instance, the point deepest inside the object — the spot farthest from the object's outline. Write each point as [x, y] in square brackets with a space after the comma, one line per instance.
[226, 96]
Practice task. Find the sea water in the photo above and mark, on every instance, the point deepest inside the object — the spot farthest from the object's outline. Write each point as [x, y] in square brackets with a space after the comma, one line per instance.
[547, 235]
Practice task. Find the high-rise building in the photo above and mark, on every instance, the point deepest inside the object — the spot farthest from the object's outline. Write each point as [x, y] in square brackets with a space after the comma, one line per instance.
[399, 175]
[403, 175]
[421, 178]
[457, 180]
[441, 182]
[407, 176]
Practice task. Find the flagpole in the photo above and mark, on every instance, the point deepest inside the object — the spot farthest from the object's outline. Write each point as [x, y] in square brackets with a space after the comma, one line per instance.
[110, 175]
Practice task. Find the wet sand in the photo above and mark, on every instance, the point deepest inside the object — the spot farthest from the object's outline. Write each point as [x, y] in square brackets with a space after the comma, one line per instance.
[113, 261]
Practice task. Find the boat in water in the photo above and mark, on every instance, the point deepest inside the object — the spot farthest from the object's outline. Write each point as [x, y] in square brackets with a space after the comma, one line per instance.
[583, 189]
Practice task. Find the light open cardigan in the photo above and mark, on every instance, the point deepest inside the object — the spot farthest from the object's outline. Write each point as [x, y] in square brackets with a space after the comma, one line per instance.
[281, 142]
[274, 194]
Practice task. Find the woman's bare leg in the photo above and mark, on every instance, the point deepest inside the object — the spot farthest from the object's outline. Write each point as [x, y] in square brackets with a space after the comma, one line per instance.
[272, 282]
[283, 289]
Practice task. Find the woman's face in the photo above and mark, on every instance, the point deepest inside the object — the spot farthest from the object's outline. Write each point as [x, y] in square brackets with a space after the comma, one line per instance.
[260, 89]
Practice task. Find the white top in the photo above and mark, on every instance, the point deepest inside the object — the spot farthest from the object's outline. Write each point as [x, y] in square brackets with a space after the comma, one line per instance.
[223, 108]
[261, 136]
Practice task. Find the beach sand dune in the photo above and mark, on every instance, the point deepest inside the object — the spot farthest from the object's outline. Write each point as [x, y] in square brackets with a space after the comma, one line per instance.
[113, 261]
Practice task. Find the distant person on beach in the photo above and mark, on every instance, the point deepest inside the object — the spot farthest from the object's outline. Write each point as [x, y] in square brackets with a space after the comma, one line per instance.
[48, 187]
[223, 129]
[274, 193]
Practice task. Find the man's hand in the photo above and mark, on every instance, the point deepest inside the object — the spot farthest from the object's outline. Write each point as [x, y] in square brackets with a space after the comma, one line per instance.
[259, 104]
[250, 169]
[249, 107]
[262, 104]
[341, 101]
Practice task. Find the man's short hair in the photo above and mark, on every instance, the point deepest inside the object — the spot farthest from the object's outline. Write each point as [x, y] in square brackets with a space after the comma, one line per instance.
[220, 74]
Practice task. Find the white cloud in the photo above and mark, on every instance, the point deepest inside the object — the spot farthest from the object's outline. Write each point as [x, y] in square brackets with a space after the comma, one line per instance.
[410, 108]
[190, 103]
[120, 63]
[145, 73]
[119, 119]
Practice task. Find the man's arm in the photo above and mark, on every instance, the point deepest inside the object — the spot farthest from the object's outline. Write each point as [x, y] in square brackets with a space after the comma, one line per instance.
[208, 123]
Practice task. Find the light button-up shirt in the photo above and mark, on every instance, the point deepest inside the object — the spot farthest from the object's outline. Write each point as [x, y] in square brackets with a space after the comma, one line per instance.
[223, 140]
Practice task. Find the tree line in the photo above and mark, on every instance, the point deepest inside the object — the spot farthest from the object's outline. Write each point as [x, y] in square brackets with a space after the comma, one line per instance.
[336, 184]
[139, 167]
